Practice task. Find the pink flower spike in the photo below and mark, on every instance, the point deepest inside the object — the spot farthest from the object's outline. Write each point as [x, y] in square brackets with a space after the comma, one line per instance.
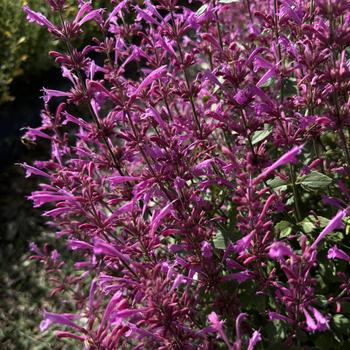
[240, 277]
[156, 220]
[310, 322]
[63, 319]
[39, 198]
[76, 244]
[239, 321]
[243, 243]
[180, 279]
[30, 170]
[83, 10]
[255, 339]
[40, 19]
[117, 180]
[207, 250]
[125, 208]
[156, 74]
[63, 334]
[276, 316]
[48, 94]
[322, 321]
[116, 10]
[102, 247]
[336, 253]
[279, 249]
[316, 323]
[90, 16]
[117, 297]
[142, 333]
[218, 326]
[288, 157]
[128, 313]
[271, 72]
[335, 223]
[35, 249]
[92, 290]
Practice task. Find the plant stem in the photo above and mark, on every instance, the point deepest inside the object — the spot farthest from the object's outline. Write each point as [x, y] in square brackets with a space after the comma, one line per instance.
[249, 11]
[94, 116]
[295, 193]
[195, 115]
[247, 133]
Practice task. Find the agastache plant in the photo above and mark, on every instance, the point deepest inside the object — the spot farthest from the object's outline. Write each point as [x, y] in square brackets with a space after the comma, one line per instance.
[199, 173]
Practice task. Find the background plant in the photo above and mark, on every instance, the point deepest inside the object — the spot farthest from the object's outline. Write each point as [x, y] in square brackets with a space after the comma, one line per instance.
[199, 175]
[23, 45]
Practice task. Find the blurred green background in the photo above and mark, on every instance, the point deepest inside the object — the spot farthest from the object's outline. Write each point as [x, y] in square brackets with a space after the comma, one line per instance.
[25, 68]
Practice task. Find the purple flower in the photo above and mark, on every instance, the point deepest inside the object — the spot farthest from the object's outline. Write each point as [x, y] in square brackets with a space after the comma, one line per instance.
[30, 170]
[102, 247]
[289, 157]
[156, 219]
[117, 298]
[40, 197]
[75, 244]
[154, 75]
[55, 255]
[207, 251]
[279, 250]
[244, 243]
[218, 327]
[238, 324]
[57, 5]
[40, 19]
[336, 253]
[48, 94]
[159, 155]
[62, 319]
[316, 323]
[255, 339]
[240, 277]
[35, 249]
[117, 179]
[276, 316]
[333, 224]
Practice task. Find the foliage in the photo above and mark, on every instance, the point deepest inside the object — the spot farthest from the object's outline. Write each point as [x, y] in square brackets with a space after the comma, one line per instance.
[199, 175]
[24, 47]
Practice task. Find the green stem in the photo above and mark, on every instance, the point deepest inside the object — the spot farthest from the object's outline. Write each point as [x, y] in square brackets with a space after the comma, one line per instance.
[247, 134]
[295, 193]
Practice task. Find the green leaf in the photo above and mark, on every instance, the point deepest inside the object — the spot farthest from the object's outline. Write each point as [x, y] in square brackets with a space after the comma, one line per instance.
[277, 182]
[201, 10]
[228, 1]
[284, 228]
[290, 87]
[310, 223]
[314, 181]
[216, 88]
[219, 241]
[347, 225]
[341, 323]
[261, 135]
[308, 226]
[269, 82]
[326, 341]
[335, 237]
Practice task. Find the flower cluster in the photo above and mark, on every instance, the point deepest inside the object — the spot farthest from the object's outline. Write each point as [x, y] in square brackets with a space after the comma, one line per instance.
[200, 166]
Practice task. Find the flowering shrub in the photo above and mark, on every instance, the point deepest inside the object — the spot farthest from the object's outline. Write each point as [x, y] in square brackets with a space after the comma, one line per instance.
[199, 175]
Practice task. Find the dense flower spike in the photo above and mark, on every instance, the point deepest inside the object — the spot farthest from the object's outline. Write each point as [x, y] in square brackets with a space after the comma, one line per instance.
[190, 153]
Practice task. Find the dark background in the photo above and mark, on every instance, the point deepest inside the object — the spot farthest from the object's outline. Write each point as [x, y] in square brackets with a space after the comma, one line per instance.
[23, 286]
